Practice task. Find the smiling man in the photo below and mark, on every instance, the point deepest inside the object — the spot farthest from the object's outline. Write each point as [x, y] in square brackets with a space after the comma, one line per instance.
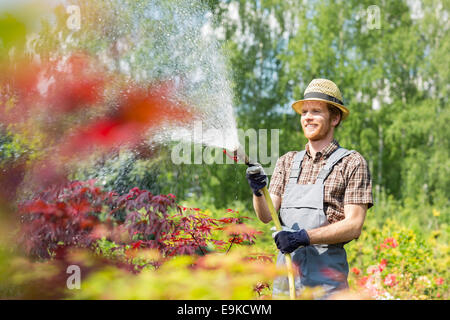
[322, 194]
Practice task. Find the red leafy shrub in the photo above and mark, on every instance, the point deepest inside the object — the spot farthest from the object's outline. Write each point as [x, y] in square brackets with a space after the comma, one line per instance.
[73, 102]
[61, 217]
[139, 112]
[80, 213]
[241, 233]
[189, 234]
[147, 217]
[117, 230]
[260, 286]
[186, 231]
[80, 83]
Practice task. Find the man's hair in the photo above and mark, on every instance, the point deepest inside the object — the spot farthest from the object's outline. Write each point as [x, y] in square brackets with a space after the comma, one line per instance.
[334, 113]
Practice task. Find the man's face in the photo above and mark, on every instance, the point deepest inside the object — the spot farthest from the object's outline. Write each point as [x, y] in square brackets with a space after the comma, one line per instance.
[316, 120]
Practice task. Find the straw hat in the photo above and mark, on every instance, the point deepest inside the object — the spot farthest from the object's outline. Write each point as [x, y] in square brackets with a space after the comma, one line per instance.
[322, 90]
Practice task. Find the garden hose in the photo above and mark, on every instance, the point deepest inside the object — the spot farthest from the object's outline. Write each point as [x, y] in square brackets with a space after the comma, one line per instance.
[287, 256]
[240, 154]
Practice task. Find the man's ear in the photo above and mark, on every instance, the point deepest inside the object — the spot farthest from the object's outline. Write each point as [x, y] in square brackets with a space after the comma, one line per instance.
[335, 115]
[336, 119]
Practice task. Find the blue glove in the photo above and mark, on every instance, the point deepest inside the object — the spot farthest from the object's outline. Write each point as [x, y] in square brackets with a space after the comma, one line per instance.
[257, 178]
[288, 241]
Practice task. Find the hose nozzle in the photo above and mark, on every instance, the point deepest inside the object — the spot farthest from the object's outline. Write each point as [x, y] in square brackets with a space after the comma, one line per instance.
[239, 155]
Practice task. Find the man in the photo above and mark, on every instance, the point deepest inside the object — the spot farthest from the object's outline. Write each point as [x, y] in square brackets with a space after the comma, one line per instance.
[322, 194]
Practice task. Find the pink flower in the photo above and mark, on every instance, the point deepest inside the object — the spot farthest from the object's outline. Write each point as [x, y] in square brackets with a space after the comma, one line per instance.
[390, 280]
[390, 242]
[136, 244]
[356, 271]
[373, 269]
[382, 265]
[362, 282]
[394, 243]
[439, 281]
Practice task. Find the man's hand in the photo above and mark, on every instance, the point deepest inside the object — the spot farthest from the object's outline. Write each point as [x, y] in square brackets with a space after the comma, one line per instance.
[288, 240]
[257, 178]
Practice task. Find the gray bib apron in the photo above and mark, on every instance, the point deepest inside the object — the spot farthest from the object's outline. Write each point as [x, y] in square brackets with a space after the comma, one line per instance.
[302, 208]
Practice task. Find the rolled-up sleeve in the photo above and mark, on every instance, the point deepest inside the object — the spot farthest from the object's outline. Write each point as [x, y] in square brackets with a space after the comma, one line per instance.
[279, 176]
[359, 185]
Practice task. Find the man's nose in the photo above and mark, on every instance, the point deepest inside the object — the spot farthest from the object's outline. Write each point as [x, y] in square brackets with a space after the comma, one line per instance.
[306, 115]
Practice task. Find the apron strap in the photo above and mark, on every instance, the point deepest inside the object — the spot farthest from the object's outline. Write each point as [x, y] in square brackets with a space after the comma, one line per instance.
[296, 167]
[335, 157]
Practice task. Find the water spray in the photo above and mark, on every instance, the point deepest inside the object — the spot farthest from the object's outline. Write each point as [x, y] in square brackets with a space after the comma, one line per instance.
[239, 154]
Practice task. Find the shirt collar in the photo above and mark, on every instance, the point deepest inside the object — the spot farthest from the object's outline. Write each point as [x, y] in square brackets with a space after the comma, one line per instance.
[326, 151]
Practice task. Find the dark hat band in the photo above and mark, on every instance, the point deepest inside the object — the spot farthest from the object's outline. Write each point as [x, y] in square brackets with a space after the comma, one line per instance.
[320, 95]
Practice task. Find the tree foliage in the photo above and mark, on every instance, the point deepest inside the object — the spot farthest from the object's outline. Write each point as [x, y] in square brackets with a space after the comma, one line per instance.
[391, 73]
[391, 78]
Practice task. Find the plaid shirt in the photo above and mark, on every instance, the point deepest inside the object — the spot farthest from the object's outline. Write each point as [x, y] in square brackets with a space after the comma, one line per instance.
[349, 181]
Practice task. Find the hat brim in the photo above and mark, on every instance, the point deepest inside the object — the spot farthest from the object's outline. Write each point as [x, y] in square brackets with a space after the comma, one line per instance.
[297, 106]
